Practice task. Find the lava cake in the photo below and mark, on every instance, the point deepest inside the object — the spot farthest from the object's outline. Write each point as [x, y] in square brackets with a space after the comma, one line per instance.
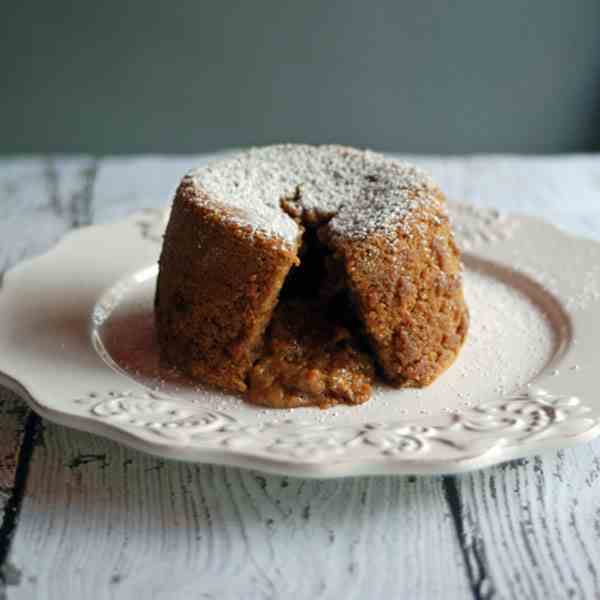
[299, 274]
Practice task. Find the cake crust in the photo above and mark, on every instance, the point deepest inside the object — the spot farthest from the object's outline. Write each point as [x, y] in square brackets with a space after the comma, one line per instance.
[216, 289]
[408, 293]
[239, 227]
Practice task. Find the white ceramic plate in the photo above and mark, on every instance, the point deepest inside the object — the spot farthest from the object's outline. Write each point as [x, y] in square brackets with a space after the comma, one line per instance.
[76, 341]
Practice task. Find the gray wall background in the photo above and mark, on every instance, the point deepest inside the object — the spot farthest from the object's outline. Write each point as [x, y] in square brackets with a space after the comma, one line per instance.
[431, 76]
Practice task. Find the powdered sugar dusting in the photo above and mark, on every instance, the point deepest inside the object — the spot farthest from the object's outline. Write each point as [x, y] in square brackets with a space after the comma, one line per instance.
[363, 191]
[510, 341]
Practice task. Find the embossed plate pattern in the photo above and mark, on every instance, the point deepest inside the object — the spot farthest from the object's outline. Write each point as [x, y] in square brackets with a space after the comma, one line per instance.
[76, 341]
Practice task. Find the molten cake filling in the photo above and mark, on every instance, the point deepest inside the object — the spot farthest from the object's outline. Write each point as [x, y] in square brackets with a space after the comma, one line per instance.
[293, 273]
[313, 353]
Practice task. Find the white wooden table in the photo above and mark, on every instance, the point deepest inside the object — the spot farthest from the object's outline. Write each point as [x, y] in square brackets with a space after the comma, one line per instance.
[83, 518]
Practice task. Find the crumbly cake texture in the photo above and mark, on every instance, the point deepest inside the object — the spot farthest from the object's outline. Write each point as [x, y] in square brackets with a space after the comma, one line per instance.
[239, 226]
[309, 358]
[217, 287]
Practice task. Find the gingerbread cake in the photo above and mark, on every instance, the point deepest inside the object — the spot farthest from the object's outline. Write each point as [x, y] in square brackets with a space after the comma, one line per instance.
[297, 274]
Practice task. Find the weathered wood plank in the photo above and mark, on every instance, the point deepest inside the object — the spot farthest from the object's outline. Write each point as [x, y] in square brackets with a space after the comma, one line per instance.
[101, 521]
[124, 185]
[38, 203]
[18, 431]
[535, 524]
[12, 422]
[531, 529]
[13, 413]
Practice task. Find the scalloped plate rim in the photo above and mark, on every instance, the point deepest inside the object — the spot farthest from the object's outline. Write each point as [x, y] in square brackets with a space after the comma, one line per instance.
[307, 469]
[280, 464]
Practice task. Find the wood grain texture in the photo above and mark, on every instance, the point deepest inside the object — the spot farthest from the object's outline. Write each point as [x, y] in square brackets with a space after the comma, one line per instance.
[18, 430]
[39, 202]
[535, 525]
[12, 421]
[101, 521]
[14, 176]
[531, 529]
